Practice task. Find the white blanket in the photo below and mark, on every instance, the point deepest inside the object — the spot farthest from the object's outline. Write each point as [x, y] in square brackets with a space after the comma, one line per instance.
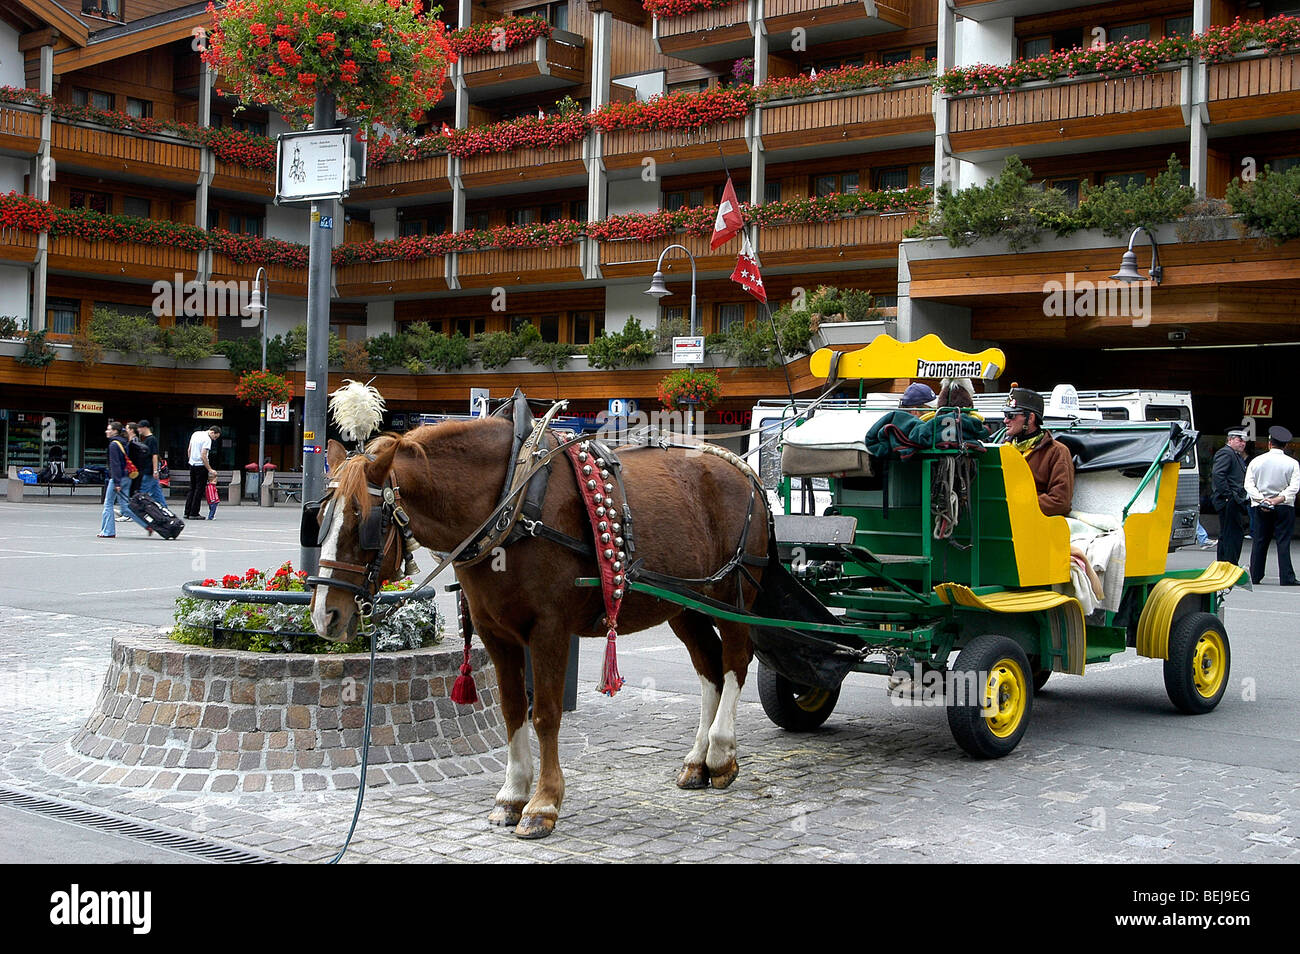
[1101, 537]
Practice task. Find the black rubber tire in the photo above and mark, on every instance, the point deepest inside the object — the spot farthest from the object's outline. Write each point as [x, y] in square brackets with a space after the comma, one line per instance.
[971, 730]
[792, 706]
[1181, 668]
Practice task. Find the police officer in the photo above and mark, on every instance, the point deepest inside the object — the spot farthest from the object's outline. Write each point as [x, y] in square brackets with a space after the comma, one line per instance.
[1272, 482]
[1228, 495]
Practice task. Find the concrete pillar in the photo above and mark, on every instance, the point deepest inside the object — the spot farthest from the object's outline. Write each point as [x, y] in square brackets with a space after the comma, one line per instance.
[602, 51]
[44, 169]
[207, 167]
[1196, 106]
[944, 173]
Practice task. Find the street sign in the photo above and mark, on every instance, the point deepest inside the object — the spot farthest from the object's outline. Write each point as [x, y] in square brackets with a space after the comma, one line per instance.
[688, 349]
[1257, 407]
[208, 414]
[277, 412]
[311, 166]
[478, 402]
[622, 407]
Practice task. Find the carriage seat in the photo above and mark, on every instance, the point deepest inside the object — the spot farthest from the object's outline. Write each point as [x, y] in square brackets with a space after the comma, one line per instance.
[818, 537]
[832, 443]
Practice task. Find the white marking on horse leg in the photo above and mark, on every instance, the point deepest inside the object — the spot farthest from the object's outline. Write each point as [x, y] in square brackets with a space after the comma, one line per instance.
[519, 770]
[709, 697]
[328, 551]
[722, 734]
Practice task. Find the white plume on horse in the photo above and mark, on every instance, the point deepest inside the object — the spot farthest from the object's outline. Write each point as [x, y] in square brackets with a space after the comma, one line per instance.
[357, 409]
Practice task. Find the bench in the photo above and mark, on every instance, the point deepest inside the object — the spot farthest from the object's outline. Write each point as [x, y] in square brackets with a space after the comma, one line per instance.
[231, 480]
[16, 489]
[282, 486]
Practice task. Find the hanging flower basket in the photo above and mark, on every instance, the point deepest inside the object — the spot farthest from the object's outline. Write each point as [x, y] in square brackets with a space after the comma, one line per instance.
[254, 387]
[384, 61]
[690, 388]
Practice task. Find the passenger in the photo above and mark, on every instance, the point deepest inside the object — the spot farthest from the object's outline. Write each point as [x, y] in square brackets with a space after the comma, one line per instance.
[1048, 459]
[916, 399]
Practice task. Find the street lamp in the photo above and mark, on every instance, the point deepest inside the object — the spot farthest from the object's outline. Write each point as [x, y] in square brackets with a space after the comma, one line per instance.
[257, 307]
[1128, 271]
[658, 289]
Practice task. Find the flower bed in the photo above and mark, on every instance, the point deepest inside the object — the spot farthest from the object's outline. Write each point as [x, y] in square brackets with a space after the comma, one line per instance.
[528, 132]
[843, 79]
[254, 387]
[663, 9]
[683, 110]
[497, 36]
[687, 386]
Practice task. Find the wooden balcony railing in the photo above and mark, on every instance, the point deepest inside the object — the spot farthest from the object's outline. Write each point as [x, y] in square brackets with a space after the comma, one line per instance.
[1254, 87]
[20, 129]
[120, 152]
[852, 116]
[520, 266]
[706, 35]
[232, 177]
[624, 258]
[410, 177]
[282, 279]
[523, 164]
[392, 275]
[562, 62]
[18, 246]
[1067, 110]
[69, 253]
[836, 19]
[859, 238]
[705, 21]
[626, 148]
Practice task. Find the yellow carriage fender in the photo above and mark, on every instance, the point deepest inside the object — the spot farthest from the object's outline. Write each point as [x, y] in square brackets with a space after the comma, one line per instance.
[1146, 535]
[1158, 614]
[1041, 543]
[1065, 614]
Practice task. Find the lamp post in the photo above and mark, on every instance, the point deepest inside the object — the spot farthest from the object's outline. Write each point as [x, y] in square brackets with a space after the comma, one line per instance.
[658, 289]
[1128, 271]
[259, 308]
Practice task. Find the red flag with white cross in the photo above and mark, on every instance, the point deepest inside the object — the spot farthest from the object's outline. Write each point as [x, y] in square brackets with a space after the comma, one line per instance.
[729, 220]
[746, 274]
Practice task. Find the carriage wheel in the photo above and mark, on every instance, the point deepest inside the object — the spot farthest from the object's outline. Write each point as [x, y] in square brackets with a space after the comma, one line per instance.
[1196, 672]
[990, 725]
[792, 706]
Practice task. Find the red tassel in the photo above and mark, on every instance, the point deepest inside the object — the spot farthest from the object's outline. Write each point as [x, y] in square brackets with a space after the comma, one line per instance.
[610, 681]
[463, 691]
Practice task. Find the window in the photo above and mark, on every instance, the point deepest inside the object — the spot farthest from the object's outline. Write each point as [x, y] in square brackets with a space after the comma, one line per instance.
[931, 52]
[409, 227]
[549, 326]
[742, 192]
[580, 210]
[1178, 26]
[693, 198]
[772, 191]
[1034, 47]
[1282, 165]
[92, 97]
[242, 224]
[729, 315]
[927, 176]
[556, 14]
[694, 86]
[1134, 31]
[1071, 189]
[844, 183]
[139, 108]
[523, 216]
[584, 327]
[469, 327]
[136, 205]
[1126, 179]
[476, 221]
[895, 56]
[61, 315]
[892, 179]
[84, 199]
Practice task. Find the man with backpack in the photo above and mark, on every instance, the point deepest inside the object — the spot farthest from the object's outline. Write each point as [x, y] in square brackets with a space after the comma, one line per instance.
[119, 480]
[153, 471]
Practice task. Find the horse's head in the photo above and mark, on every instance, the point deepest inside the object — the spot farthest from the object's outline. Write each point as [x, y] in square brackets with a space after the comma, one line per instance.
[361, 545]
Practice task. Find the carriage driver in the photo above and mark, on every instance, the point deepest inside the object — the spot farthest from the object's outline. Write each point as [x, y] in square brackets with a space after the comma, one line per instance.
[1048, 459]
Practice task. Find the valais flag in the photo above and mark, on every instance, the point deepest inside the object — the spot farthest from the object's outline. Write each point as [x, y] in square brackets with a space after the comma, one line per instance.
[729, 220]
[746, 274]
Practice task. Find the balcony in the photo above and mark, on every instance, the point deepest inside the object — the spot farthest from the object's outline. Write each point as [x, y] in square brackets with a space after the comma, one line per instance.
[1143, 108]
[283, 279]
[232, 177]
[983, 10]
[391, 277]
[860, 239]
[20, 130]
[528, 68]
[828, 20]
[71, 255]
[509, 267]
[18, 247]
[525, 168]
[628, 258]
[627, 148]
[707, 36]
[413, 177]
[1256, 87]
[886, 118]
[143, 158]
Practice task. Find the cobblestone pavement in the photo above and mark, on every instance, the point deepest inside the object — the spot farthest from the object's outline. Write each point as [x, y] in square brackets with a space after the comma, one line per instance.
[877, 784]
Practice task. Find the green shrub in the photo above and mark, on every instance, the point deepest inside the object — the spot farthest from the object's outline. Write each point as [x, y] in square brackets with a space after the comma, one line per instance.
[621, 349]
[1270, 204]
[388, 351]
[11, 326]
[38, 353]
[667, 330]
[446, 353]
[1116, 210]
[495, 349]
[858, 306]
[129, 334]
[189, 344]
[552, 355]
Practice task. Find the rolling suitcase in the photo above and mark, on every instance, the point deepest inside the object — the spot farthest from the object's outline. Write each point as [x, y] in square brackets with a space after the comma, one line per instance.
[165, 523]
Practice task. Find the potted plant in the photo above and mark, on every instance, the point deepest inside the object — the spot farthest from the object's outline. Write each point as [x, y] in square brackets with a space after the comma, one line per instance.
[255, 387]
[691, 388]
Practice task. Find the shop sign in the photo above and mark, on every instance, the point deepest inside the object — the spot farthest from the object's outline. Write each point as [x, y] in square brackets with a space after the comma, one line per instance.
[1257, 407]
[277, 412]
[208, 414]
[87, 407]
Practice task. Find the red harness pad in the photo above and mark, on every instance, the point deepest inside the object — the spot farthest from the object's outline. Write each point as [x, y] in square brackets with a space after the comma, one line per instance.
[596, 485]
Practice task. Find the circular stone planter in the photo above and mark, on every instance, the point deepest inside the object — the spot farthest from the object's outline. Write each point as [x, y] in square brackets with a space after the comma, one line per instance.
[191, 719]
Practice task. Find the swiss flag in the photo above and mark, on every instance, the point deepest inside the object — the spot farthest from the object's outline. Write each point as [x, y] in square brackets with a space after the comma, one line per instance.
[746, 274]
[729, 220]
[446, 130]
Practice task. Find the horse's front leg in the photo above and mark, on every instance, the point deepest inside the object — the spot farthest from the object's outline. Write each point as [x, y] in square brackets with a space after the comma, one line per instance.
[737, 652]
[697, 633]
[550, 655]
[508, 658]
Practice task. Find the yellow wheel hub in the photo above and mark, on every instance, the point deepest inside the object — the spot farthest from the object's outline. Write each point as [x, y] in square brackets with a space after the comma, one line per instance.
[1208, 664]
[1005, 697]
[812, 700]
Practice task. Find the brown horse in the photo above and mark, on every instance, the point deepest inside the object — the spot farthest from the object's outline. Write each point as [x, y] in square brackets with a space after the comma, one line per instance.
[689, 511]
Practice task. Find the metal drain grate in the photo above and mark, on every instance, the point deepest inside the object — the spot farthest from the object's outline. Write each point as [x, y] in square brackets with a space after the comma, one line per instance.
[209, 851]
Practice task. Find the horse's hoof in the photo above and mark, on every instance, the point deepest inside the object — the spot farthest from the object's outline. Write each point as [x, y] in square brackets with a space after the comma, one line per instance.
[506, 814]
[693, 776]
[721, 778]
[535, 826]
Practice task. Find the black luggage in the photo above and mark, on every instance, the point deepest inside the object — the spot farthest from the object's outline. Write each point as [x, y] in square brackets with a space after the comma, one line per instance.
[165, 523]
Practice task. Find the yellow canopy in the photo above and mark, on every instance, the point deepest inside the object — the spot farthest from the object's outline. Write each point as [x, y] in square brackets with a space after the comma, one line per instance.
[929, 357]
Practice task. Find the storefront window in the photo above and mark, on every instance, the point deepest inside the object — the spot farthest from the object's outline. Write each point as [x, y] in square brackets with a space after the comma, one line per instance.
[31, 438]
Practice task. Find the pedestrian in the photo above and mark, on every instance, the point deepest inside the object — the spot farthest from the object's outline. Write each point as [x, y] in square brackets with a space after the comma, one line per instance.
[213, 496]
[118, 483]
[1228, 495]
[200, 470]
[153, 471]
[1272, 482]
[137, 452]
